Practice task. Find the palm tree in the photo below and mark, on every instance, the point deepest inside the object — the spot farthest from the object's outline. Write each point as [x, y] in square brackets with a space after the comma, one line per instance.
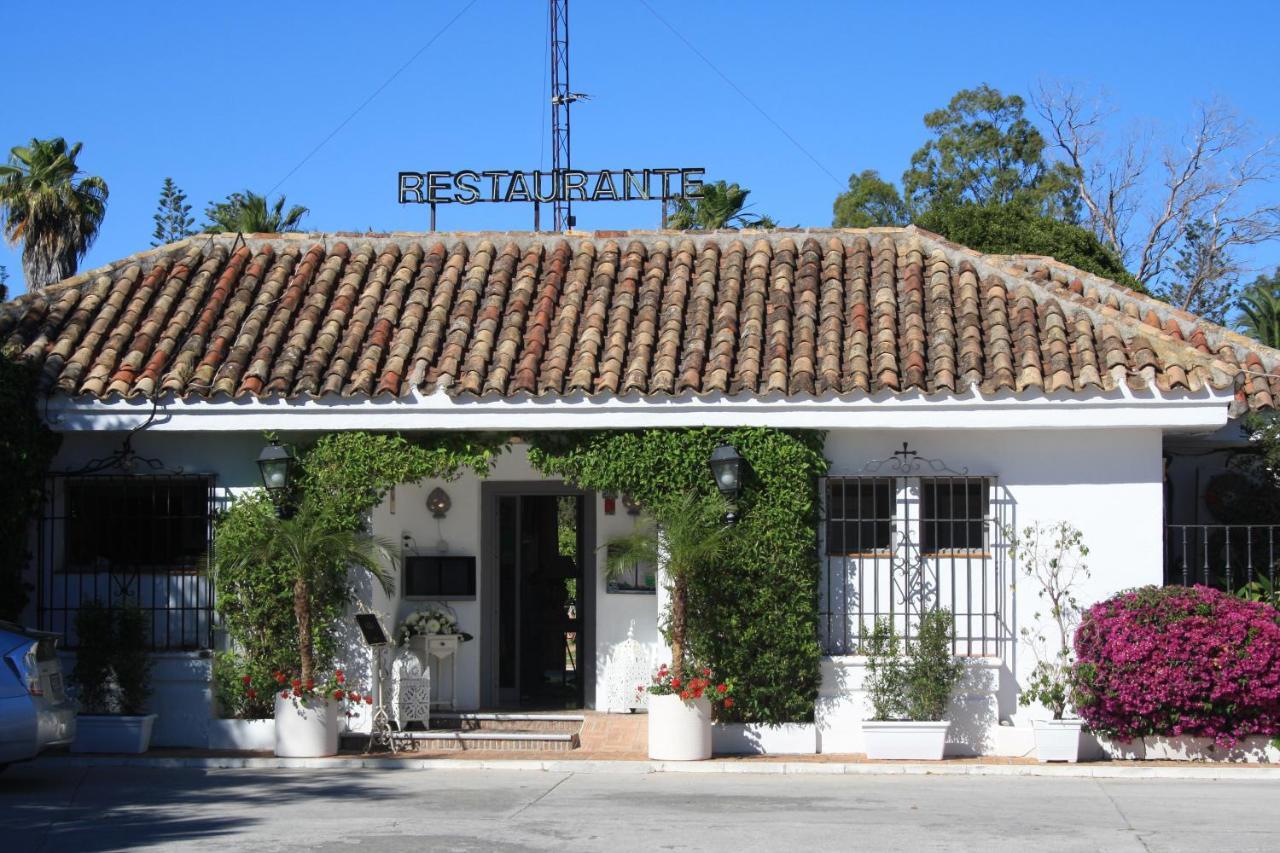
[1260, 313]
[687, 533]
[248, 213]
[722, 205]
[308, 546]
[45, 207]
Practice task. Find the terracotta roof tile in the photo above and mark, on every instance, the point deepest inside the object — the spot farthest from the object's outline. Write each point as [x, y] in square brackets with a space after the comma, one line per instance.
[782, 313]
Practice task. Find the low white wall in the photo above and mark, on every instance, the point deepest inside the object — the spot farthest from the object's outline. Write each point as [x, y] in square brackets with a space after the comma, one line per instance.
[181, 697]
[983, 699]
[759, 739]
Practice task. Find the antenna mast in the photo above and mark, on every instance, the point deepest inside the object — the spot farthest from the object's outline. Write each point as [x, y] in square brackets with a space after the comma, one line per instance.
[561, 98]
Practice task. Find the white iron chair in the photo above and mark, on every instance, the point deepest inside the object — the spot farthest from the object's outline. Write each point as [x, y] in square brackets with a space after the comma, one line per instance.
[410, 691]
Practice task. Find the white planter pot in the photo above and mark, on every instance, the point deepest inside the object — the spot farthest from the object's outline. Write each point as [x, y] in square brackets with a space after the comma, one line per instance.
[679, 730]
[113, 733]
[306, 730]
[905, 739]
[1058, 740]
[243, 735]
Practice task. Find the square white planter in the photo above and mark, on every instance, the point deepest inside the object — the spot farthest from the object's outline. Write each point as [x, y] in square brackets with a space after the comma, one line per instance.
[761, 739]
[905, 740]
[1058, 740]
[244, 735]
[113, 733]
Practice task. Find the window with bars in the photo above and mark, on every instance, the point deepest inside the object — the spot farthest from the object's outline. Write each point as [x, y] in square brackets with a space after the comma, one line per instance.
[138, 524]
[860, 515]
[953, 514]
[129, 539]
[896, 547]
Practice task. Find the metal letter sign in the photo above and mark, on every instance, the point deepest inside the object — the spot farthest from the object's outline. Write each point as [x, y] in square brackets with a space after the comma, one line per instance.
[469, 187]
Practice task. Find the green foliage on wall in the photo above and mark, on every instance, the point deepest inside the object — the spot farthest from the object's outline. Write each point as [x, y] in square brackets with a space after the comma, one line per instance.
[754, 617]
[343, 476]
[27, 447]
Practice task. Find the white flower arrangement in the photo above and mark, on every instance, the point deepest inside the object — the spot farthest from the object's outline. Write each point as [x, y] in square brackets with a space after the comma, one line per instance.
[432, 619]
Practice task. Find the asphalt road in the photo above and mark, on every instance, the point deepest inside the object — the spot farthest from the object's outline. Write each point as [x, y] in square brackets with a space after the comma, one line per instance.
[47, 807]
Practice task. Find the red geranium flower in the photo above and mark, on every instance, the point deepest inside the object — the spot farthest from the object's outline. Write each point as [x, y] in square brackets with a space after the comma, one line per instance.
[338, 694]
[279, 676]
[252, 694]
[245, 681]
[297, 682]
[675, 684]
[368, 700]
[284, 694]
[340, 676]
[722, 688]
[728, 703]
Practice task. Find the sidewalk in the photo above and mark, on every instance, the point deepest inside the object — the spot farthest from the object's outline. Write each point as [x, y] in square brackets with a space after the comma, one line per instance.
[579, 761]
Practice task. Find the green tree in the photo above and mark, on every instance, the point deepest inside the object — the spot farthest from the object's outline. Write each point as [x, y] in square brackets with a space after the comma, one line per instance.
[687, 534]
[173, 215]
[1260, 309]
[249, 213]
[722, 205]
[1205, 279]
[307, 548]
[870, 201]
[50, 208]
[1015, 230]
[986, 152]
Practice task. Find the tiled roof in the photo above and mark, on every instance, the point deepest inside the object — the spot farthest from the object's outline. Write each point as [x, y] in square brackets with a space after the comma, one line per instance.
[791, 313]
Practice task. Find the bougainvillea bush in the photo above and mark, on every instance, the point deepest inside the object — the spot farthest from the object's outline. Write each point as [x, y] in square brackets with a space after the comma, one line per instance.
[1179, 661]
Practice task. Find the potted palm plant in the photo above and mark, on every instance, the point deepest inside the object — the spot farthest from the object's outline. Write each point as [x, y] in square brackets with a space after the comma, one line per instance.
[1053, 556]
[113, 677]
[308, 548]
[909, 693]
[684, 534]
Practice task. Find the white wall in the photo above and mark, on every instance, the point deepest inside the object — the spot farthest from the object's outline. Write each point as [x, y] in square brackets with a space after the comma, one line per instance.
[1107, 483]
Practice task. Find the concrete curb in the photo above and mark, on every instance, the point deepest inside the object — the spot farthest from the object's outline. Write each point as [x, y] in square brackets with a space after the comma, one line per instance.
[1098, 770]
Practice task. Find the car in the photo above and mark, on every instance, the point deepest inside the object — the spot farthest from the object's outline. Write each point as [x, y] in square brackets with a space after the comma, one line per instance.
[35, 713]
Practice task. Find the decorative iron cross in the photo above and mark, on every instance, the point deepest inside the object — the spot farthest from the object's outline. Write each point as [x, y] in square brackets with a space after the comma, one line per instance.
[905, 454]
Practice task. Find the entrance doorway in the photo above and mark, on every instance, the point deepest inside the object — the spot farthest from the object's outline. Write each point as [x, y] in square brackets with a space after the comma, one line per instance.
[538, 596]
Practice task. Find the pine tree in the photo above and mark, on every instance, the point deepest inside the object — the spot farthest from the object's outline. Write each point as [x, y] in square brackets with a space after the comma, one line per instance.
[173, 215]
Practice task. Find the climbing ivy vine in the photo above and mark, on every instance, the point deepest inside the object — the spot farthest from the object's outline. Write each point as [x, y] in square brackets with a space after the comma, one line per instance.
[753, 617]
[342, 477]
[27, 447]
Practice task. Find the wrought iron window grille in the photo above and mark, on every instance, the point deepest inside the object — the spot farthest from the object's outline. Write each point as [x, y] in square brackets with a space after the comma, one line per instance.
[909, 534]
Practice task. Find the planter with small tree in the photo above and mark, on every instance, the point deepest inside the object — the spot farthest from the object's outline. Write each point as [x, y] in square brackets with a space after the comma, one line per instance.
[112, 675]
[684, 534]
[909, 693]
[307, 547]
[1053, 556]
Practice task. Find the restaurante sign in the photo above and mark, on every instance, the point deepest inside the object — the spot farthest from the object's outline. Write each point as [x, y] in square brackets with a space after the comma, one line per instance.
[471, 187]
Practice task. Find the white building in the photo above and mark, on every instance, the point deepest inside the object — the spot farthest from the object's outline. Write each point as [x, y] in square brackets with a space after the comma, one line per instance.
[959, 393]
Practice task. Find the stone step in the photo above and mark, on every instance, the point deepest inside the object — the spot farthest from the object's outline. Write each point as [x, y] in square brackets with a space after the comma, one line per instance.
[507, 722]
[505, 741]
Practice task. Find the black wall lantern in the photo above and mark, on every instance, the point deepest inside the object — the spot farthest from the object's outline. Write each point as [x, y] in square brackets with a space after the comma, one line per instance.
[276, 464]
[727, 467]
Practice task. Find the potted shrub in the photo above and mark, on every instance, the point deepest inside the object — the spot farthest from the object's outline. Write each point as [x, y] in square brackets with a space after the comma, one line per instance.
[685, 534]
[307, 548]
[1053, 557]
[113, 677]
[909, 694]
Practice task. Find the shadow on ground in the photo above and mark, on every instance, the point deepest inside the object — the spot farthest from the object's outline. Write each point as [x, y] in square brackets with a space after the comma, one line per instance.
[46, 807]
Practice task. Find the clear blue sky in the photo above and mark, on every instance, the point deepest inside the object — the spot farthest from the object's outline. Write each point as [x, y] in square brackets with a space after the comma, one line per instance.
[235, 94]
